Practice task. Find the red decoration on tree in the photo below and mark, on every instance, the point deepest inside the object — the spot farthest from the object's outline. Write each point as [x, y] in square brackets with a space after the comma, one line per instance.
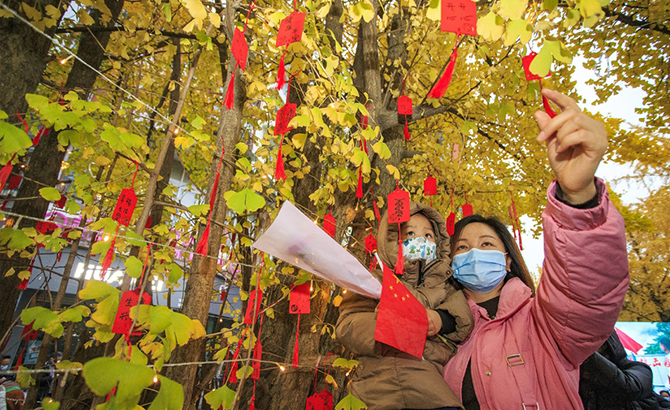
[45, 227]
[359, 187]
[284, 117]
[516, 224]
[61, 202]
[125, 207]
[258, 352]
[240, 49]
[230, 92]
[232, 377]
[4, 174]
[203, 244]
[253, 305]
[459, 16]
[451, 222]
[430, 186]
[290, 29]
[14, 182]
[42, 132]
[375, 206]
[467, 209]
[370, 249]
[329, 224]
[440, 87]
[299, 299]
[281, 72]
[405, 105]
[280, 174]
[123, 321]
[398, 212]
[401, 319]
[320, 401]
[109, 256]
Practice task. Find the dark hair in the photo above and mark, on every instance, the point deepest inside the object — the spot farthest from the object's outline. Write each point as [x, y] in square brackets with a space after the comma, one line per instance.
[665, 341]
[518, 267]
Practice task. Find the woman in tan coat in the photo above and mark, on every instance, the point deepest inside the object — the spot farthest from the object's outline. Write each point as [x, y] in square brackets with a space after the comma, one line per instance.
[388, 379]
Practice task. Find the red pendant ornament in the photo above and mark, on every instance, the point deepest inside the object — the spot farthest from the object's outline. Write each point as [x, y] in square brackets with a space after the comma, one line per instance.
[329, 223]
[45, 227]
[404, 109]
[240, 50]
[290, 31]
[299, 304]
[203, 245]
[4, 174]
[359, 187]
[530, 76]
[467, 209]
[123, 321]
[401, 319]
[430, 186]
[375, 207]
[370, 249]
[258, 353]
[232, 376]
[440, 87]
[253, 306]
[125, 207]
[398, 212]
[451, 219]
[284, 117]
[42, 132]
[320, 401]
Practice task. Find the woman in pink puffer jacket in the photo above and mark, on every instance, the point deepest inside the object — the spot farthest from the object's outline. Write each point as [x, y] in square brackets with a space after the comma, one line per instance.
[525, 350]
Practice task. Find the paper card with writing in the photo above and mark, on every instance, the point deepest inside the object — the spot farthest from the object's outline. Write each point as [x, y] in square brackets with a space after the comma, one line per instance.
[123, 321]
[290, 29]
[125, 207]
[398, 206]
[284, 116]
[299, 299]
[451, 222]
[459, 16]
[430, 186]
[240, 49]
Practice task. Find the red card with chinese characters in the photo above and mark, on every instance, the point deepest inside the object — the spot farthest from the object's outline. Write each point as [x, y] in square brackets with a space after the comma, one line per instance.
[405, 105]
[284, 116]
[320, 401]
[467, 209]
[240, 49]
[125, 207]
[255, 298]
[526, 68]
[290, 29]
[45, 227]
[329, 224]
[299, 299]
[451, 221]
[459, 16]
[398, 206]
[123, 321]
[430, 186]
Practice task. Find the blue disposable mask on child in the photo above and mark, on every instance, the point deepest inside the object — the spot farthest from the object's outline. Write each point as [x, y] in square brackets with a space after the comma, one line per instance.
[480, 271]
[419, 248]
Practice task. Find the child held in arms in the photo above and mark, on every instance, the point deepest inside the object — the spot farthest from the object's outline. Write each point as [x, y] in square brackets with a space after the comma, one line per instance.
[388, 378]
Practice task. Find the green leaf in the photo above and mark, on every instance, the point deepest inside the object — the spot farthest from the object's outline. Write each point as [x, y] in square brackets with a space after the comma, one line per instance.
[549, 5]
[44, 319]
[344, 363]
[299, 140]
[512, 9]
[589, 8]
[434, 12]
[134, 267]
[350, 403]
[542, 62]
[170, 396]
[50, 194]
[245, 200]
[102, 374]
[167, 10]
[48, 404]
[223, 396]
[382, 150]
[161, 318]
[518, 29]
[15, 238]
[13, 139]
[24, 379]
[176, 273]
[75, 314]
[135, 239]
[195, 8]
[197, 122]
[98, 290]
[198, 210]
[37, 102]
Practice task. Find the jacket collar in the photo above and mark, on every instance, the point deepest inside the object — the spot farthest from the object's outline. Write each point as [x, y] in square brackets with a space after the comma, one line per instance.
[514, 295]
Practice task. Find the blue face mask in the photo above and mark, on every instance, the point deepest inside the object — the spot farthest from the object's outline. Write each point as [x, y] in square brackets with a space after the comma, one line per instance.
[419, 248]
[480, 271]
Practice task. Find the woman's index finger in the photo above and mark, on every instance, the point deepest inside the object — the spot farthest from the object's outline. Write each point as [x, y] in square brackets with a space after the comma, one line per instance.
[562, 100]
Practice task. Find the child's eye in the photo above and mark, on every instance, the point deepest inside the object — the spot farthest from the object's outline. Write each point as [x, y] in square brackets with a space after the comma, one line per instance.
[429, 236]
[410, 233]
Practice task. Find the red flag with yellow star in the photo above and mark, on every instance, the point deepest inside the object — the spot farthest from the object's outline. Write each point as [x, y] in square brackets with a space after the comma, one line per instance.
[402, 321]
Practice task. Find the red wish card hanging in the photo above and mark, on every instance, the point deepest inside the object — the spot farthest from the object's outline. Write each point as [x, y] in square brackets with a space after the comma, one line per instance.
[405, 109]
[370, 249]
[253, 305]
[459, 16]
[45, 227]
[430, 186]
[240, 49]
[299, 299]
[284, 117]
[329, 224]
[125, 207]
[467, 209]
[527, 60]
[290, 29]
[398, 212]
[123, 321]
[401, 319]
[320, 401]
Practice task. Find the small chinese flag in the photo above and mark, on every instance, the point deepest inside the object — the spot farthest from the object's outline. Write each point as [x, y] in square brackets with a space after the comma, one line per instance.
[320, 401]
[402, 321]
[398, 212]
[253, 305]
[430, 186]
[451, 222]
[123, 321]
[125, 207]
[299, 299]
[329, 224]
